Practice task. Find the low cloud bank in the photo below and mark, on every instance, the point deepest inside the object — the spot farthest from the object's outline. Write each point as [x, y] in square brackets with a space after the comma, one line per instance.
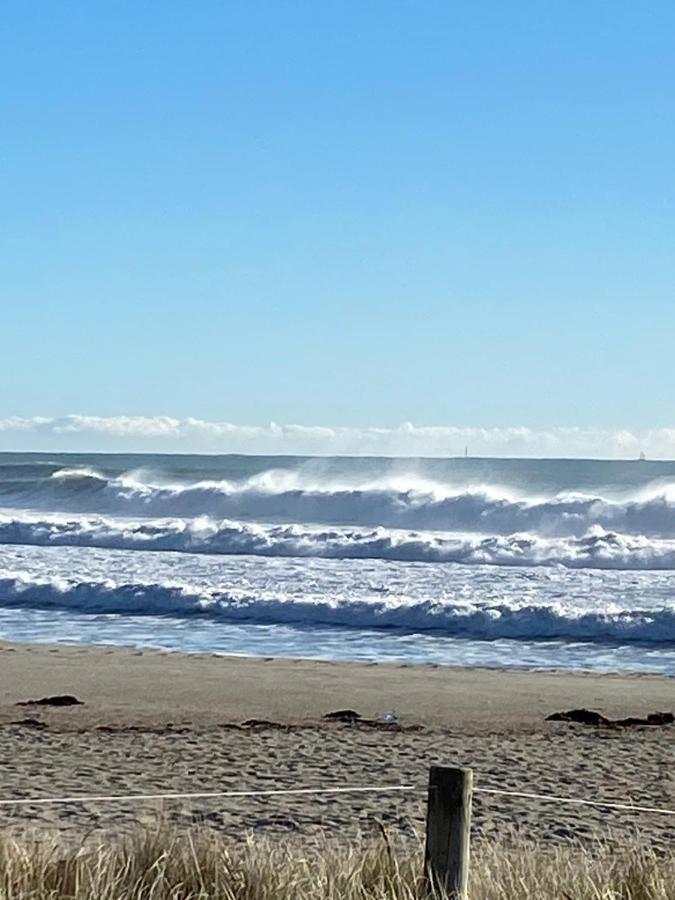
[165, 433]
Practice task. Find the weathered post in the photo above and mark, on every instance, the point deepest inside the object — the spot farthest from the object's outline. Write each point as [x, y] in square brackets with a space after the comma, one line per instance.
[446, 858]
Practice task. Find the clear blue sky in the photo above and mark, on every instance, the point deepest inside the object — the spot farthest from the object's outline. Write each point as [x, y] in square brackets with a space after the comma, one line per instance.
[350, 213]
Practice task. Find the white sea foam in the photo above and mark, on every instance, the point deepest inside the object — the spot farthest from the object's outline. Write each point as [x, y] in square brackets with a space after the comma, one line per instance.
[459, 617]
[598, 549]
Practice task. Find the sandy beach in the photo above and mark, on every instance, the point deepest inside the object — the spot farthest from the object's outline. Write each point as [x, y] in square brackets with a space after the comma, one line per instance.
[154, 722]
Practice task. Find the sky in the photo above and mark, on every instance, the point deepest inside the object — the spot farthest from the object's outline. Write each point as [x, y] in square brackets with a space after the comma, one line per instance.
[381, 215]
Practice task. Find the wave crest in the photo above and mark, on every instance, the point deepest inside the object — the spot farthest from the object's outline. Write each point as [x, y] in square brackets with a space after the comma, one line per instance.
[394, 503]
[598, 549]
[493, 621]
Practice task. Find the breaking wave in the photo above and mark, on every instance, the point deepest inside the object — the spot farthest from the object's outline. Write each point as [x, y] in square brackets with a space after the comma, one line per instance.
[598, 549]
[491, 621]
[394, 503]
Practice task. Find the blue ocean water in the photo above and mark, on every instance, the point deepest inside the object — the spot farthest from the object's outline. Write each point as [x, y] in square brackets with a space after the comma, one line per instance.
[544, 563]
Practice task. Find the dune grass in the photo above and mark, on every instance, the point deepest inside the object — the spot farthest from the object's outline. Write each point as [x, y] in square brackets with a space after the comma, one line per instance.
[164, 866]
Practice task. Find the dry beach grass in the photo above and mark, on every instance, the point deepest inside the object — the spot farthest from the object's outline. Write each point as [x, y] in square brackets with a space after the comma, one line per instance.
[198, 866]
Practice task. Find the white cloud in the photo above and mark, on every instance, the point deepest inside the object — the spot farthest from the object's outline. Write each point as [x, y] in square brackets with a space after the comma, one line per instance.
[166, 433]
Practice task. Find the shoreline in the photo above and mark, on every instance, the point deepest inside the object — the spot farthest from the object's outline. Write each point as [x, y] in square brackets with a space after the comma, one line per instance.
[141, 685]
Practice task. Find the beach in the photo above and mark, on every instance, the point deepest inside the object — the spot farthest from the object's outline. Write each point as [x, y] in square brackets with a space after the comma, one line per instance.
[155, 722]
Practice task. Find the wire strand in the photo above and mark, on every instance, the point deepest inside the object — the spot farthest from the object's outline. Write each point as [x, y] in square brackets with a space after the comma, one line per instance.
[203, 795]
[369, 789]
[609, 804]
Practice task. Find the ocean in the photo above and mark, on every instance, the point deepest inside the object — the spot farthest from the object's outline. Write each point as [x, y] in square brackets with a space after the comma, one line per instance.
[478, 562]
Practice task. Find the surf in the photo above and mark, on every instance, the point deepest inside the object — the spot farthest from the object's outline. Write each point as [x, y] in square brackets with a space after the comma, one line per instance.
[404, 501]
[597, 549]
[458, 618]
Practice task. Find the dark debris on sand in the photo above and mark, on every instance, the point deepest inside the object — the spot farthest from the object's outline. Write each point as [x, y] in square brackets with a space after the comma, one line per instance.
[591, 717]
[56, 700]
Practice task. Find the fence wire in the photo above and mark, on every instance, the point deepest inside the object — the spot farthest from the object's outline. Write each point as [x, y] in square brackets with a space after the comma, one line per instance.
[309, 791]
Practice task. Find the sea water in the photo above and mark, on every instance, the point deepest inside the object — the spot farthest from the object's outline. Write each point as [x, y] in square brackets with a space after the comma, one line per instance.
[535, 563]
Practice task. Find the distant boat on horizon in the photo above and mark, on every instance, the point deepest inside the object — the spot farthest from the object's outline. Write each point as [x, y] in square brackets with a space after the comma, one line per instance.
[642, 456]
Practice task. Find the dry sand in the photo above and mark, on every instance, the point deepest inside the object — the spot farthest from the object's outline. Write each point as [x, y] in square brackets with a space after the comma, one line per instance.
[155, 722]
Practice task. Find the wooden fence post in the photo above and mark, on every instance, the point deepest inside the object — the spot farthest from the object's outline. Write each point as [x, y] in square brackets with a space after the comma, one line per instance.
[446, 858]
